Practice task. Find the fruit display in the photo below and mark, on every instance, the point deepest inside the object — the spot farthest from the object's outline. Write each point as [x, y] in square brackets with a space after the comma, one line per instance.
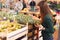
[10, 22]
[9, 26]
[25, 10]
[21, 18]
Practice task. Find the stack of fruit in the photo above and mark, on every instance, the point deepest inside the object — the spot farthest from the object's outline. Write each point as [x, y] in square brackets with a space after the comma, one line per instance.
[21, 18]
[17, 20]
[7, 26]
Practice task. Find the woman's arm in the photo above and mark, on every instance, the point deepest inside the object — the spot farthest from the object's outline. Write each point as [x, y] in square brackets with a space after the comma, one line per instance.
[49, 24]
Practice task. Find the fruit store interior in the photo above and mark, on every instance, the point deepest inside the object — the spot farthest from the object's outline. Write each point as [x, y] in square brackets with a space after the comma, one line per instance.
[18, 19]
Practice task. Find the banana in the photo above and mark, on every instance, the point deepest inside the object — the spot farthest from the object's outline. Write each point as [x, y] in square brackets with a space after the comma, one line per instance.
[10, 26]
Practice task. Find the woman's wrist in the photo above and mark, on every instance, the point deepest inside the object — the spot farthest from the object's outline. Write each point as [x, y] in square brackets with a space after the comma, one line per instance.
[43, 29]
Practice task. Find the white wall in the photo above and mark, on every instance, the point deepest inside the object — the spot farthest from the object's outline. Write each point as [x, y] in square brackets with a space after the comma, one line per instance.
[37, 1]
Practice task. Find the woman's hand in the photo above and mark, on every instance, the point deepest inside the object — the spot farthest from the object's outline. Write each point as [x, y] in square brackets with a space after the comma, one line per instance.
[40, 27]
[37, 25]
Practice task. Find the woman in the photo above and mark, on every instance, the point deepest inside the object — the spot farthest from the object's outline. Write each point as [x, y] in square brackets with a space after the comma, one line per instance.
[47, 21]
[24, 4]
[7, 3]
[32, 5]
[18, 5]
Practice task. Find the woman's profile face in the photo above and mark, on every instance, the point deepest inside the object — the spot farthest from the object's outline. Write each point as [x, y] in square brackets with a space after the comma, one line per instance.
[38, 8]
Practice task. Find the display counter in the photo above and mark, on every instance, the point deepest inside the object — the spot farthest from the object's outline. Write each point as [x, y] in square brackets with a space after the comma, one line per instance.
[15, 34]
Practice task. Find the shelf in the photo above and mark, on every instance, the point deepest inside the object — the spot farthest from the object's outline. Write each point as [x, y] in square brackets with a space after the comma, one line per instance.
[18, 33]
[15, 34]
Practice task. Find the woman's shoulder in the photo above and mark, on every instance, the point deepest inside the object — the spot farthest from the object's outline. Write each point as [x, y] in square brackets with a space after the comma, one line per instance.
[48, 19]
[48, 16]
